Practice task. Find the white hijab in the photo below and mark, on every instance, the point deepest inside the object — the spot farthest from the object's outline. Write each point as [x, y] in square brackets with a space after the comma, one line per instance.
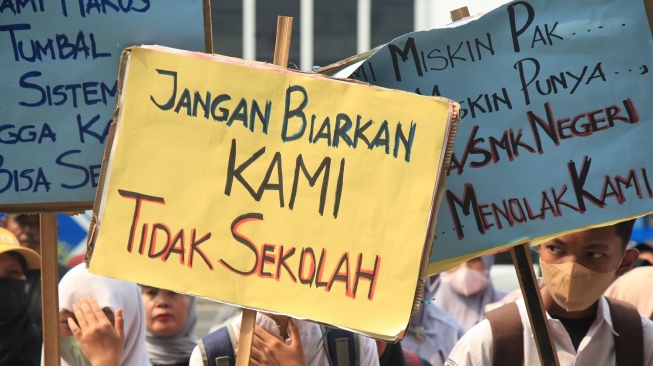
[112, 294]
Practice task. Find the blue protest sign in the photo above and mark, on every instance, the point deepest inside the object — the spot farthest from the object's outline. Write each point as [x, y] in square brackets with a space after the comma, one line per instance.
[58, 87]
[556, 118]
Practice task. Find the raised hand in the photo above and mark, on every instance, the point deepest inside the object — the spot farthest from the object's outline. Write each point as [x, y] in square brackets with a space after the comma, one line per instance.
[268, 350]
[101, 341]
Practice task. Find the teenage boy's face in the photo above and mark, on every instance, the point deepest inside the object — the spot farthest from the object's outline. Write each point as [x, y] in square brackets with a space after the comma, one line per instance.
[598, 249]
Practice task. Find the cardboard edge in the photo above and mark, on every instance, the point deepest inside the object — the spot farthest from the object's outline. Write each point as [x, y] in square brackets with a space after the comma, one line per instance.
[333, 68]
[93, 227]
[438, 194]
[69, 208]
[454, 120]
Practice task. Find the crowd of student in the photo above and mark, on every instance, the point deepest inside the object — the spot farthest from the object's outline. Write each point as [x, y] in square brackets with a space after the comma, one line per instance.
[108, 322]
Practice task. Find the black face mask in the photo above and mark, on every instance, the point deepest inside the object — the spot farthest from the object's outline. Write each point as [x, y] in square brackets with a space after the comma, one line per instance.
[12, 299]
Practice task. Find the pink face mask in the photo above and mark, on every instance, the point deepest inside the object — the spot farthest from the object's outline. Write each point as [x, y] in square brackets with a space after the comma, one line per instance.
[465, 281]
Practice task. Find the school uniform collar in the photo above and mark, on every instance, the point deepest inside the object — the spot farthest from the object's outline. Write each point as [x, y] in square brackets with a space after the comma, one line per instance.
[603, 314]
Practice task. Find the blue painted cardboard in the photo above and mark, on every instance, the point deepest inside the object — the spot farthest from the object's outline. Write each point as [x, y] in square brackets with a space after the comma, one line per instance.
[556, 118]
[58, 88]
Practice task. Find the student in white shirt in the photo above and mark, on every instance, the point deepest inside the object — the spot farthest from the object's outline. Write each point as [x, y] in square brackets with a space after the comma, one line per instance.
[310, 333]
[576, 268]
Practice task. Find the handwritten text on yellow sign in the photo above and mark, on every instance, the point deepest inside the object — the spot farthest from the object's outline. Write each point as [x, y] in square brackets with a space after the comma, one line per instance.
[281, 191]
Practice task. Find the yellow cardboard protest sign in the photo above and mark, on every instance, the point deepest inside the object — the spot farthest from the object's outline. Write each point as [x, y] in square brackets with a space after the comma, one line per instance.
[271, 189]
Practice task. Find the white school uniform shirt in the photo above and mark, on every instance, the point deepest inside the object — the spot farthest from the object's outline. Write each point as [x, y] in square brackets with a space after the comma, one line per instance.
[311, 334]
[596, 348]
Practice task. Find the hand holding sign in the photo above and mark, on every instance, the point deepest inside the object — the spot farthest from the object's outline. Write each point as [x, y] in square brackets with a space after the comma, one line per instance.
[270, 350]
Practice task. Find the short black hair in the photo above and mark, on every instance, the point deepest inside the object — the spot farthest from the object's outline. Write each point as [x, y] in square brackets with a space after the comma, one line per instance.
[624, 230]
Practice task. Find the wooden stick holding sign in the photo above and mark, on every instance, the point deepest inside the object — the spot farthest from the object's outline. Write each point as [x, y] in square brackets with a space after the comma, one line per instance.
[282, 43]
[281, 52]
[527, 281]
[246, 337]
[459, 13]
[49, 287]
[533, 299]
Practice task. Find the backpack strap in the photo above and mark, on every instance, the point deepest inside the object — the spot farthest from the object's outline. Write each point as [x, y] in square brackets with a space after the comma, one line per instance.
[217, 348]
[507, 335]
[627, 323]
[342, 347]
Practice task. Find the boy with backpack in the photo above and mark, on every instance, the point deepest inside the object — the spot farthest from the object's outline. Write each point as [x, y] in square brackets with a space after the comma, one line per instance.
[587, 328]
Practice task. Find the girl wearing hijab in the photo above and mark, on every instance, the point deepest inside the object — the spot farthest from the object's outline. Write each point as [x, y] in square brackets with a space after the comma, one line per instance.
[463, 291]
[20, 340]
[170, 321]
[110, 295]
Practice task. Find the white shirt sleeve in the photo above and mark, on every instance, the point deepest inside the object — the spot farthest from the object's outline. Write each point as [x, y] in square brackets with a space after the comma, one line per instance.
[196, 357]
[474, 348]
[368, 355]
[647, 329]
